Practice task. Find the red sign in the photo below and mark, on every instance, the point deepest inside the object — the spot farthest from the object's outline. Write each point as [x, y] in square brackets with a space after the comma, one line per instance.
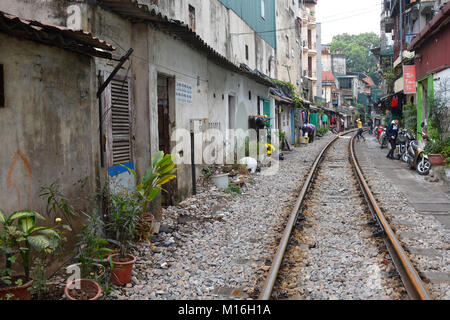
[409, 79]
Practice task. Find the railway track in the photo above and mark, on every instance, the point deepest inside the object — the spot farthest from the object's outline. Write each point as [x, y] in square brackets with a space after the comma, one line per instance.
[328, 252]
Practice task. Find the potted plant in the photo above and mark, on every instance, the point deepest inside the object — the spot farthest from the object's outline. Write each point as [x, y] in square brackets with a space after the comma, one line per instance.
[18, 240]
[438, 151]
[90, 252]
[122, 222]
[159, 173]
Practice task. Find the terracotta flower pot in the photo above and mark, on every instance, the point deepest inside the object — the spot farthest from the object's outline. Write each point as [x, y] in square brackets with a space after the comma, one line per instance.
[19, 292]
[145, 226]
[90, 290]
[436, 159]
[121, 270]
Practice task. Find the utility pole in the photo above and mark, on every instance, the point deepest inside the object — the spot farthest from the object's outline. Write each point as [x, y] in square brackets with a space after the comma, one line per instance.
[401, 31]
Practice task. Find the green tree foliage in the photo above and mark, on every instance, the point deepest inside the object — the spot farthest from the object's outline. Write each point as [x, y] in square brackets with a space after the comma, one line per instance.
[357, 50]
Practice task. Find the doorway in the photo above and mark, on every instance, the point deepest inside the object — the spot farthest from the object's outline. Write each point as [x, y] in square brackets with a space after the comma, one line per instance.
[166, 117]
[231, 112]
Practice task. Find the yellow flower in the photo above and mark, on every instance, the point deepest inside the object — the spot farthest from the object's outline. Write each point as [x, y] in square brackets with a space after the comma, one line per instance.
[58, 220]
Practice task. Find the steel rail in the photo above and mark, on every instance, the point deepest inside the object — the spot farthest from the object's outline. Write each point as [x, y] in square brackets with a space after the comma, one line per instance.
[267, 289]
[410, 278]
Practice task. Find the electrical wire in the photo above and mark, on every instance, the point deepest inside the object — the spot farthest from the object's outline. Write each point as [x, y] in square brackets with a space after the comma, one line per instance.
[365, 11]
[153, 63]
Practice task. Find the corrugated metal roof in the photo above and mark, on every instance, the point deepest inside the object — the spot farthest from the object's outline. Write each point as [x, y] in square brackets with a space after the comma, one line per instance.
[62, 37]
[328, 76]
[135, 12]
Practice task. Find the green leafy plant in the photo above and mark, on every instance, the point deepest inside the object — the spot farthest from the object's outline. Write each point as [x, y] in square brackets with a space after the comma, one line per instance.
[57, 203]
[123, 219]
[439, 115]
[323, 130]
[91, 246]
[410, 117]
[21, 234]
[441, 147]
[160, 172]
[232, 189]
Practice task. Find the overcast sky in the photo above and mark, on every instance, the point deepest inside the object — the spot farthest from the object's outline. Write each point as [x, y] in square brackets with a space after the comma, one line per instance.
[348, 16]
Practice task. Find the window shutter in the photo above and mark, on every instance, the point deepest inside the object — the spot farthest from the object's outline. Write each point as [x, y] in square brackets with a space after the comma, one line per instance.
[120, 122]
[116, 122]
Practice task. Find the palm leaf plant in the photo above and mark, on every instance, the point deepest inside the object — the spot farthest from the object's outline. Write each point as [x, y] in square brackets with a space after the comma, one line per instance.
[160, 172]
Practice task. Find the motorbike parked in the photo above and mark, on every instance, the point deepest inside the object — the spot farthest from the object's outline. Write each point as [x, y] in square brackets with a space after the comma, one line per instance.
[416, 159]
[382, 139]
[403, 137]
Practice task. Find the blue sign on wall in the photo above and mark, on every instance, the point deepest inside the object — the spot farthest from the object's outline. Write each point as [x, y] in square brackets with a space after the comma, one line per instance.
[120, 168]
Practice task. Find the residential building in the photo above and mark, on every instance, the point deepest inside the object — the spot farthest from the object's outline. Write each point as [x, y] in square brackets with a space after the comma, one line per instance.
[403, 19]
[165, 84]
[48, 112]
[309, 57]
[432, 63]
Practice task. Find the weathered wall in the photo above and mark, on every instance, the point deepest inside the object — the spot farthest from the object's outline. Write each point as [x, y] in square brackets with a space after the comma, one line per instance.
[46, 127]
[289, 50]
[68, 13]
[224, 31]
[338, 64]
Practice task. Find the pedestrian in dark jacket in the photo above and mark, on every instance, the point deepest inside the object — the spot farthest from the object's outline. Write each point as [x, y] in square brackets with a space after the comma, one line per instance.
[370, 124]
[391, 134]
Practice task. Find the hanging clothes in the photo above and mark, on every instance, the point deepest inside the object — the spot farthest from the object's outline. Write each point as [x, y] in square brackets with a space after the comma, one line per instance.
[314, 119]
[325, 118]
[394, 102]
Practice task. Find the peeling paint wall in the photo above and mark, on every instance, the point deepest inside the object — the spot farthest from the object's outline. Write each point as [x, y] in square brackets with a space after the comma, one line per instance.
[46, 127]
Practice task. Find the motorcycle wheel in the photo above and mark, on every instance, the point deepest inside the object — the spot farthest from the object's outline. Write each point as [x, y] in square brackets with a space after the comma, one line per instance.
[404, 157]
[423, 167]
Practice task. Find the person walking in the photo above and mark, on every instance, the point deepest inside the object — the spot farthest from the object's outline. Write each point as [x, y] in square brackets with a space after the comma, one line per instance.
[391, 134]
[360, 129]
[370, 124]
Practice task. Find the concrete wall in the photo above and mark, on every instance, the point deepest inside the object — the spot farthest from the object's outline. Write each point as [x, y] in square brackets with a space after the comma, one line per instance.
[289, 50]
[338, 64]
[224, 31]
[158, 53]
[48, 126]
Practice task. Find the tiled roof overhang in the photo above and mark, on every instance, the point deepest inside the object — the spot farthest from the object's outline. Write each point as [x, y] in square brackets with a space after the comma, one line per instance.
[135, 12]
[65, 38]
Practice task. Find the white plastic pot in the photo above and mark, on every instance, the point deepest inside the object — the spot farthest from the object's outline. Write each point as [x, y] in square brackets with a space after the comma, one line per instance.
[220, 181]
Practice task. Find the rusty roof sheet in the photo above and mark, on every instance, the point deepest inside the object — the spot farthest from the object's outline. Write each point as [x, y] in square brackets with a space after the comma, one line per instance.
[62, 37]
[328, 76]
[133, 11]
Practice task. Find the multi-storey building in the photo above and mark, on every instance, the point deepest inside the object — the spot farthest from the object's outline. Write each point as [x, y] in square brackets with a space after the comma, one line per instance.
[403, 19]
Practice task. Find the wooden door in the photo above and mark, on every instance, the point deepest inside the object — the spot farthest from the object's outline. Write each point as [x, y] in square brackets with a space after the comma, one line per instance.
[164, 131]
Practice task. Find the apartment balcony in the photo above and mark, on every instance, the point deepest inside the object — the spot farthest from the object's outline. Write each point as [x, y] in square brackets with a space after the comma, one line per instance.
[310, 75]
[387, 21]
[312, 51]
[347, 92]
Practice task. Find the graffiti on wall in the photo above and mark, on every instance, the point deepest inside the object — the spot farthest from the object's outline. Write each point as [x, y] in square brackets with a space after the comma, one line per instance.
[19, 178]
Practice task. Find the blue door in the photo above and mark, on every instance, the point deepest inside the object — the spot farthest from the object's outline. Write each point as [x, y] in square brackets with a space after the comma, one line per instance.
[293, 131]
